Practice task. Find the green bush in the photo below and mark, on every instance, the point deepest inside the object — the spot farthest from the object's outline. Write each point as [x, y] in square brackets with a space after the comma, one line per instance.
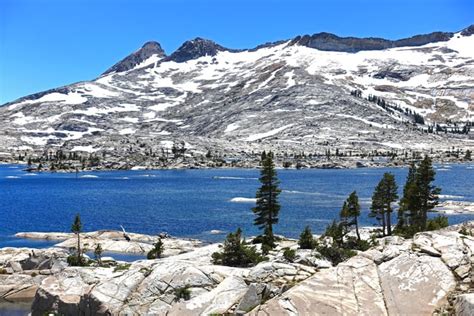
[289, 254]
[464, 231]
[334, 253]
[355, 244]
[182, 293]
[306, 240]
[122, 267]
[436, 223]
[336, 232]
[237, 253]
[74, 261]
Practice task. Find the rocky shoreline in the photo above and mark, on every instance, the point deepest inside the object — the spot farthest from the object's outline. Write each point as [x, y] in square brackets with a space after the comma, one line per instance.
[250, 162]
[431, 273]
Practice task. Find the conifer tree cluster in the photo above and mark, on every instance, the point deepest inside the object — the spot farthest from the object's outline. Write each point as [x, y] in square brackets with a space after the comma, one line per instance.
[420, 197]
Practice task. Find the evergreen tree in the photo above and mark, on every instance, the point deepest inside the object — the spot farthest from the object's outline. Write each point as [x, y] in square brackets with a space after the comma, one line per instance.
[384, 195]
[419, 197]
[306, 240]
[351, 211]
[76, 228]
[268, 207]
[427, 193]
[345, 218]
[467, 156]
[98, 254]
[236, 252]
[157, 250]
[408, 201]
[336, 232]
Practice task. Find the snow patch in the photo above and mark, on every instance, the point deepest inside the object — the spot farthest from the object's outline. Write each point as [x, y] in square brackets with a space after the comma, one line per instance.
[255, 137]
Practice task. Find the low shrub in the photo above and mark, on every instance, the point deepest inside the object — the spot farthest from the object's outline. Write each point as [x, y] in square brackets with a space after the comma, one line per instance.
[334, 253]
[74, 261]
[436, 223]
[289, 254]
[122, 267]
[182, 293]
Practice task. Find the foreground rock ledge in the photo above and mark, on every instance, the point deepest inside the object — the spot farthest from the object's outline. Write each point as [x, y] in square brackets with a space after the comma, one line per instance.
[431, 273]
[114, 241]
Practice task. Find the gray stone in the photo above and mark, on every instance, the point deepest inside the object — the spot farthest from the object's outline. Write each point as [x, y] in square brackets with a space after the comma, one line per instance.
[250, 299]
[464, 305]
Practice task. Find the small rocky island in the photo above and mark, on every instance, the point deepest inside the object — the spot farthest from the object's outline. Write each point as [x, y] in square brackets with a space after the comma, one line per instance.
[432, 273]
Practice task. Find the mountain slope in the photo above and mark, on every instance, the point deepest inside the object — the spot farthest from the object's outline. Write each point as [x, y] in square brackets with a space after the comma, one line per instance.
[284, 96]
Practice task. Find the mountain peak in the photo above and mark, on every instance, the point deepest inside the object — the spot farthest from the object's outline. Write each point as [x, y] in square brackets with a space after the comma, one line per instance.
[468, 31]
[146, 51]
[195, 48]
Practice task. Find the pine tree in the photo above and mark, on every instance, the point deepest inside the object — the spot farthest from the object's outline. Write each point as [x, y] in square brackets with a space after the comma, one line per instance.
[268, 207]
[427, 193]
[345, 218]
[408, 200]
[336, 231]
[467, 156]
[157, 250]
[98, 254]
[384, 195]
[76, 228]
[352, 212]
[419, 197]
[306, 240]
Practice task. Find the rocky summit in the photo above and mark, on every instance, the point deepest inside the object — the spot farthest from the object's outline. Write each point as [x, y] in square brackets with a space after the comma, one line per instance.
[429, 274]
[310, 93]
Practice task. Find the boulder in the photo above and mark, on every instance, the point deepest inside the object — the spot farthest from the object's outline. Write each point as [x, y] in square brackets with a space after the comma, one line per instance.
[415, 284]
[18, 287]
[464, 305]
[250, 300]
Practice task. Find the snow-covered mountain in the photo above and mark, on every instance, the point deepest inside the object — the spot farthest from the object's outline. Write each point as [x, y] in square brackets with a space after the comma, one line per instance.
[308, 93]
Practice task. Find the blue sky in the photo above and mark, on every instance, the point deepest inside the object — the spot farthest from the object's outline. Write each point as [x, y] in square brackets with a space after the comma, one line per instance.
[49, 43]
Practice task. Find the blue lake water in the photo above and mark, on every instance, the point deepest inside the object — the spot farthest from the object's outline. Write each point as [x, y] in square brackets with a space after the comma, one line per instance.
[191, 203]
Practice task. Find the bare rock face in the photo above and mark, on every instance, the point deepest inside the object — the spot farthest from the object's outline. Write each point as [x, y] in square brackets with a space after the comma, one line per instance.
[415, 284]
[146, 51]
[351, 288]
[331, 42]
[195, 48]
[399, 277]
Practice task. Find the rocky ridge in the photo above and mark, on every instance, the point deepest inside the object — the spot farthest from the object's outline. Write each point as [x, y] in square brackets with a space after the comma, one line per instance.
[431, 273]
